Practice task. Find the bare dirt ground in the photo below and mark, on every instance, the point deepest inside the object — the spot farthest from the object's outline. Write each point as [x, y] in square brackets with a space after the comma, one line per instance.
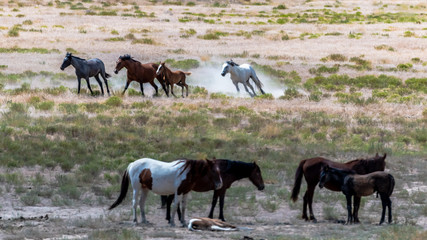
[86, 34]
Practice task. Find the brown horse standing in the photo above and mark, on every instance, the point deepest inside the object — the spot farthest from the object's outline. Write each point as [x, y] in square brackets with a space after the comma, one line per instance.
[310, 169]
[177, 77]
[142, 73]
[360, 185]
[231, 171]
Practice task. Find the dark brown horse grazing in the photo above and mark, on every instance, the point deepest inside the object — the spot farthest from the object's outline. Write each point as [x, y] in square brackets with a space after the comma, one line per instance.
[142, 73]
[177, 77]
[231, 171]
[310, 169]
[356, 185]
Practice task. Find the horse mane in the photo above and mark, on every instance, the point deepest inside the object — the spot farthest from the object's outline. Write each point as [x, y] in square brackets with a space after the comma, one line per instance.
[239, 168]
[369, 163]
[127, 57]
[232, 63]
[71, 55]
[195, 166]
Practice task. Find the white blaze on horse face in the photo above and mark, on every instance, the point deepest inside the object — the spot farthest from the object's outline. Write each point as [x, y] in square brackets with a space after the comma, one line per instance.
[225, 69]
[158, 69]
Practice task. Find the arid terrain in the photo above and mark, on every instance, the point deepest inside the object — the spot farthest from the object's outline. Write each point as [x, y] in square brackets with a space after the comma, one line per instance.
[345, 80]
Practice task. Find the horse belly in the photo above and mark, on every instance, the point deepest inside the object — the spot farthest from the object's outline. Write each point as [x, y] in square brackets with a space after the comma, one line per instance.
[163, 185]
[363, 190]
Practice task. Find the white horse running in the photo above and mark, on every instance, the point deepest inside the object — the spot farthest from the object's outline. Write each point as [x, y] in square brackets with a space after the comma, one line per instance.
[163, 178]
[242, 74]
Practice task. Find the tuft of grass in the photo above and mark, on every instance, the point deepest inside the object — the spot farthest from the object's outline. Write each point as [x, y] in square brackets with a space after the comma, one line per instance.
[384, 47]
[14, 31]
[114, 101]
[45, 106]
[334, 57]
[183, 64]
[17, 49]
[144, 41]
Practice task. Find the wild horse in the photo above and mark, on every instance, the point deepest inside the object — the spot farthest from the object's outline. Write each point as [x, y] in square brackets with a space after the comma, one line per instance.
[231, 171]
[165, 178]
[310, 169]
[353, 184]
[173, 77]
[142, 73]
[86, 69]
[242, 74]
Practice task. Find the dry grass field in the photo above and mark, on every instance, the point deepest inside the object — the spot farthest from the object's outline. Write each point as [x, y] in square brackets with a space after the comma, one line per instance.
[345, 80]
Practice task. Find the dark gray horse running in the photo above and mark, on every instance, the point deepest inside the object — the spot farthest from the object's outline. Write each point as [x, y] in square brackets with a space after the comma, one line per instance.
[86, 69]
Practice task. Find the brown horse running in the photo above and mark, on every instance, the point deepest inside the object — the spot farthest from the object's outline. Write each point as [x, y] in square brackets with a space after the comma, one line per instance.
[231, 171]
[356, 185]
[310, 169]
[176, 77]
[142, 73]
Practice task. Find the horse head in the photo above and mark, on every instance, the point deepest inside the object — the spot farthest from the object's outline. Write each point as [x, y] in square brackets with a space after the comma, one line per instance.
[215, 173]
[226, 67]
[120, 63]
[160, 68]
[256, 177]
[67, 61]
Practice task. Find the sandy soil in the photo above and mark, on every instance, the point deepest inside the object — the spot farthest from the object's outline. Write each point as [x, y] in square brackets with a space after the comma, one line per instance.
[78, 222]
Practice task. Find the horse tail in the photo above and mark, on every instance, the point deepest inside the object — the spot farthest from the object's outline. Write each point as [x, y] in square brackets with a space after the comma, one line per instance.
[391, 185]
[187, 73]
[123, 190]
[298, 178]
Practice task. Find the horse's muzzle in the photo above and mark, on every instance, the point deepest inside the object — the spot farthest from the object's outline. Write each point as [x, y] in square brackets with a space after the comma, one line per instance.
[260, 188]
[115, 71]
[62, 68]
[218, 185]
[320, 185]
[223, 74]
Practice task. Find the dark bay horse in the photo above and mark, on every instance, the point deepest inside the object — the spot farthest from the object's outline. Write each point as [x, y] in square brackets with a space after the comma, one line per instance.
[173, 77]
[231, 171]
[353, 184]
[165, 178]
[86, 69]
[310, 169]
[142, 73]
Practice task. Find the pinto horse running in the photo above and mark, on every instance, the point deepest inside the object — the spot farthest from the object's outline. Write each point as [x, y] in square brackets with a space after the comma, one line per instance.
[310, 169]
[242, 74]
[173, 77]
[231, 171]
[142, 73]
[177, 177]
[353, 184]
[86, 69]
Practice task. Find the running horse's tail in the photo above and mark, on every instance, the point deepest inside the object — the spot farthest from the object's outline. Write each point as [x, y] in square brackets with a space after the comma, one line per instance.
[297, 184]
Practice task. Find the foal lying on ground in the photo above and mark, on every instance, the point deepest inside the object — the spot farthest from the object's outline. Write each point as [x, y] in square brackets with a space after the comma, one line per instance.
[360, 185]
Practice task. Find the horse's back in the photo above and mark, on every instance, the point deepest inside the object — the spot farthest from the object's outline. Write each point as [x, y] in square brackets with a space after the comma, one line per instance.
[367, 184]
[161, 175]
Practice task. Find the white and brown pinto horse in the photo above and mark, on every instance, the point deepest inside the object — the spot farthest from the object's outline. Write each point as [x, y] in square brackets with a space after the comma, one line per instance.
[242, 74]
[165, 178]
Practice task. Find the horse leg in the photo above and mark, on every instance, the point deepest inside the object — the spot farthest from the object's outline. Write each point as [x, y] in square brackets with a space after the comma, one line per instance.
[126, 87]
[389, 210]
[79, 81]
[142, 204]
[247, 90]
[250, 86]
[184, 205]
[100, 84]
[186, 87]
[384, 203]
[356, 206]
[142, 88]
[88, 85]
[134, 205]
[106, 83]
[214, 200]
[310, 191]
[154, 86]
[237, 87]
[172, 90]
[349, 215]
[177, 200]
[221, 206]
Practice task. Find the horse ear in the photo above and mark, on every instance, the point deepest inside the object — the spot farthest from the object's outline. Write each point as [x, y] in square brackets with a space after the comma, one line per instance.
[376, 155]
[385, 155]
